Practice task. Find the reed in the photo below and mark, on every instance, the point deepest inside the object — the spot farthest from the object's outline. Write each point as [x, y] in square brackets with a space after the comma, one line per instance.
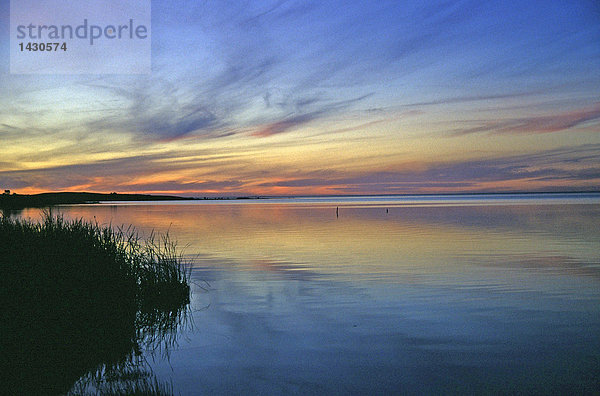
[77, 296]
[84, 259]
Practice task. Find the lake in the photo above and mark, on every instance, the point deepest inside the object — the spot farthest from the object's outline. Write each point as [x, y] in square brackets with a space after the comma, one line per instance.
[381, 295]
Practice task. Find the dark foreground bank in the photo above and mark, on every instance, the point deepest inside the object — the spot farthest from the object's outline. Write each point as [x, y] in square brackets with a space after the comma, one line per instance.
[79, 304]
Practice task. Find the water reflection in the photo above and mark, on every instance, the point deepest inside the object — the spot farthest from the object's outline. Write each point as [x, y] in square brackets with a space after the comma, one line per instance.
[367, 241]
[408, 300]
[93, 348]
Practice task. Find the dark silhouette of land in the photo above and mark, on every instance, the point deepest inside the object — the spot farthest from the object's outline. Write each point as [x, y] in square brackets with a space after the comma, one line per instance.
[18, 201]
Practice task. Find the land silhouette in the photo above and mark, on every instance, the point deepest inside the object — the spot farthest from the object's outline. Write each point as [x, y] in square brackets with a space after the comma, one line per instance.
[20, 201]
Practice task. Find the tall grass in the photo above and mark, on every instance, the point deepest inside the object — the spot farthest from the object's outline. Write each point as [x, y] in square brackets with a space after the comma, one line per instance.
[84, 257]
[76, 296]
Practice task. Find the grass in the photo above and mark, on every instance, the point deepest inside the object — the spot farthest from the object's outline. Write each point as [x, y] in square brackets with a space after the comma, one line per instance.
[82, 259]
[78, 297]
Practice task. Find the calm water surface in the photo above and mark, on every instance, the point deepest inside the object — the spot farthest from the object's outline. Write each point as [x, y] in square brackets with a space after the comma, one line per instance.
[450, 294]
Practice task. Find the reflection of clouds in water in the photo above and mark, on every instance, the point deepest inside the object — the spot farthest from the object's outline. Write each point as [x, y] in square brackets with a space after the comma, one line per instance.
[264, 330]
[548, 265]
[366, 242]
[469, 299]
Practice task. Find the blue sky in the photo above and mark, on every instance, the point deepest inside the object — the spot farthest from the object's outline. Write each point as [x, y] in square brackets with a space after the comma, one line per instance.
[301, 97]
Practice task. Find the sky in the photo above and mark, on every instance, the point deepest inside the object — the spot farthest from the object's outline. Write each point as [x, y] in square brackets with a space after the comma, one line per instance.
[321, 97]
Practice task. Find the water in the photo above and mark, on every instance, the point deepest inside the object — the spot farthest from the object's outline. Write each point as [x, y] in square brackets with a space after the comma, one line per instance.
[430, 294]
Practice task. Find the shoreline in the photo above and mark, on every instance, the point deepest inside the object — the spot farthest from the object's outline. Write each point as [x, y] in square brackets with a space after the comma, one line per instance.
[17, 201]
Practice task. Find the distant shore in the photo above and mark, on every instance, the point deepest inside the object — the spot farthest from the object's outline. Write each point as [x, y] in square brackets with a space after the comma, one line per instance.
[21, 201]
[18, 201]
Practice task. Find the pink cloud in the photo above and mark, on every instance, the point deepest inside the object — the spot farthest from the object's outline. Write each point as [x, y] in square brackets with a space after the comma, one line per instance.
[538, 124]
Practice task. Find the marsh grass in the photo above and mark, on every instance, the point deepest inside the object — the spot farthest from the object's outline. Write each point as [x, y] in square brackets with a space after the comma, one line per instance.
[83, 259]
[80, 298]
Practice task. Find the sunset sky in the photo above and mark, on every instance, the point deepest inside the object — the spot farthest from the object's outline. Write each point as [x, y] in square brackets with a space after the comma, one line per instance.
[321, 97]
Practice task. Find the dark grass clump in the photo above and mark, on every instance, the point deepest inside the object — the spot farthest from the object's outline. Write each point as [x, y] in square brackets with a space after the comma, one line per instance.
[80, 262]
[76, 296]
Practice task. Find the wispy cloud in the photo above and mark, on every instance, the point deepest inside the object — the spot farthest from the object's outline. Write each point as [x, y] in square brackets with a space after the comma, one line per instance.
[153, 110]
[108, 174]
[323, 109]
[475, 175]
[536, 124]
[574, 168]
[284, 125]
[472, 98]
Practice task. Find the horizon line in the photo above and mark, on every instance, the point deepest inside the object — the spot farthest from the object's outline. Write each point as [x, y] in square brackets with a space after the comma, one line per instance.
[257, 196]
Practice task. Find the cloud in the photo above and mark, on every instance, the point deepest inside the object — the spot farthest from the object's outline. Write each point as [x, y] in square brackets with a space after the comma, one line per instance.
[216, 107]
[181, 186]
[554, 123]
[560, 169]
[105, 173]
[154, 111]
[266, 12]
[284, 125]
[471, 98]
[553, 167]
[295, 120]
[536, 124]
